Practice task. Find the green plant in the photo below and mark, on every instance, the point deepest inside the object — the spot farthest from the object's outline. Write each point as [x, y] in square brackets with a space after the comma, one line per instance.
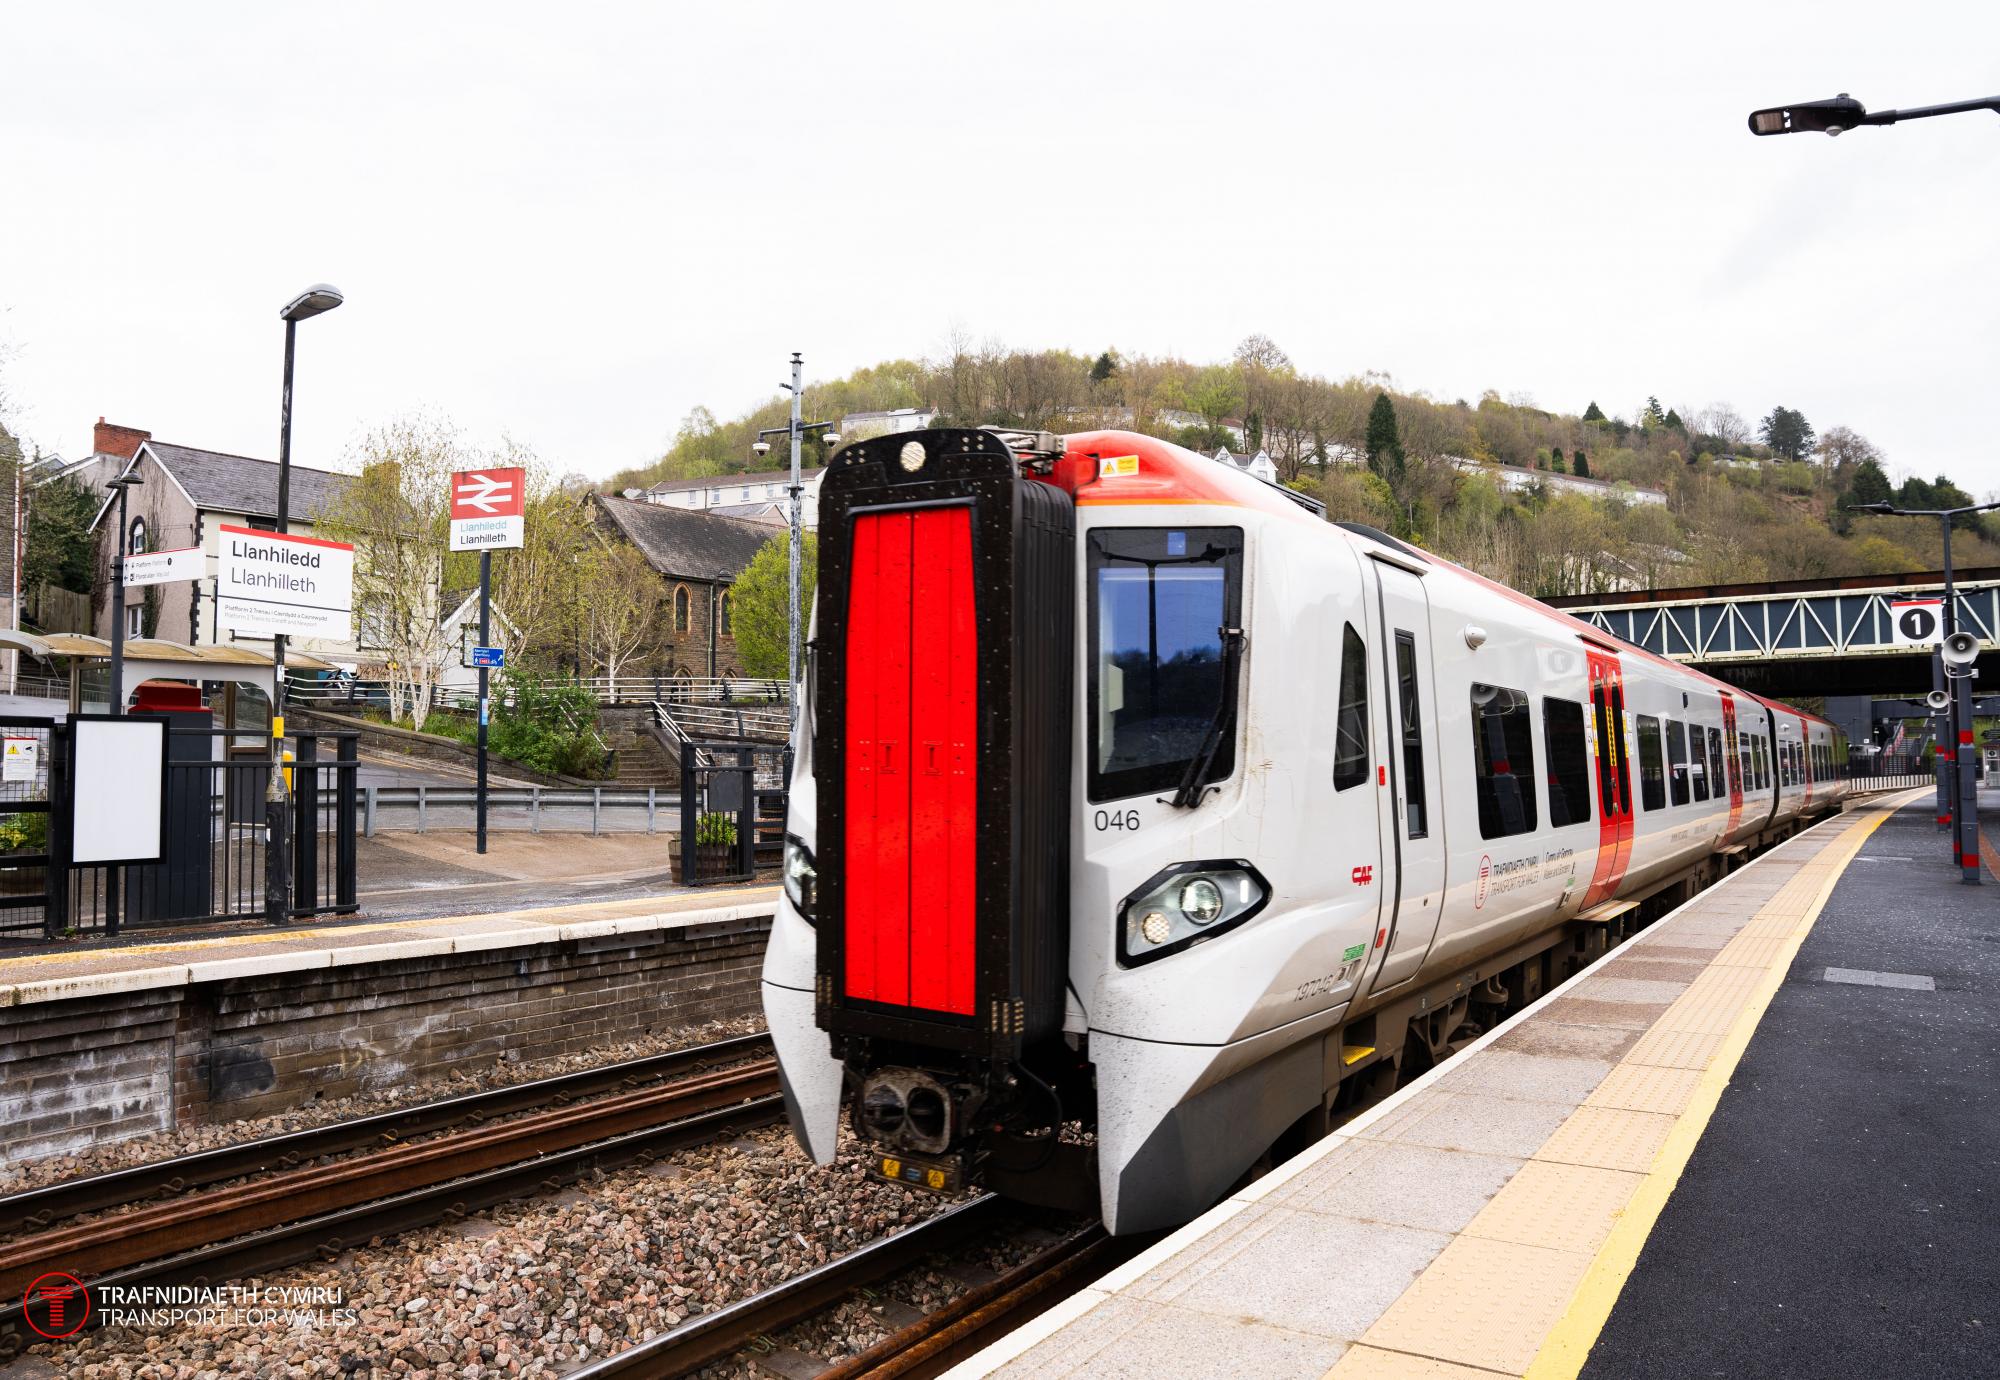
[715, 827]
[547, 724]
[24, 833]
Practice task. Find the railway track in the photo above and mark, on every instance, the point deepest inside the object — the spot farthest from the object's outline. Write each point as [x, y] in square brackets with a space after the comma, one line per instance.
[321, 1209]
[924, 1348]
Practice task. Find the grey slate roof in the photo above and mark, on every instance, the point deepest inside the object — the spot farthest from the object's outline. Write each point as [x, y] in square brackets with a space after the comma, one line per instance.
[239, 484]
[684, 544]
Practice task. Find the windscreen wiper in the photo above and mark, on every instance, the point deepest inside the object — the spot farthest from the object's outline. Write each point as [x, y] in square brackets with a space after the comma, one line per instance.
[1194, 788]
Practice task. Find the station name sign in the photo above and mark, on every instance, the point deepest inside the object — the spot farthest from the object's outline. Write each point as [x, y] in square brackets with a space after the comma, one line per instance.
[270, 584]
[488, 509]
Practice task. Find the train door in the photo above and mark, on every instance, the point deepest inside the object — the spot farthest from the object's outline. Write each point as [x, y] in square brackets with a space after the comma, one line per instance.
[1413, 885]
[1614, 777]
[1732, 764]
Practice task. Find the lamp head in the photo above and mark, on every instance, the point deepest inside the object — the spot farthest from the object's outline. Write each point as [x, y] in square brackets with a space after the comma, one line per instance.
[1841, 113]
[1879, 506]
[761, 446]
[832, 437]
[320, 297]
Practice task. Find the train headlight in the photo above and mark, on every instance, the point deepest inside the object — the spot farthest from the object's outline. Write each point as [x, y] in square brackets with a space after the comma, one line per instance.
[801, 878]
[1186, 904]
[1201, 901]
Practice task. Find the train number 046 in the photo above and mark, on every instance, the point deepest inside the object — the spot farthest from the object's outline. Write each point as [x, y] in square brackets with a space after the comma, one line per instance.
[1116, 819]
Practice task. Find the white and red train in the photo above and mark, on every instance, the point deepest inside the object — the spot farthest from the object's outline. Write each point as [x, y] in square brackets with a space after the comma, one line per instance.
[1144, 821]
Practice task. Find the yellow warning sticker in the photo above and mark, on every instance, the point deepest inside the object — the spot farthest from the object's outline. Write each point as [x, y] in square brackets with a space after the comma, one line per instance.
[1110, 465]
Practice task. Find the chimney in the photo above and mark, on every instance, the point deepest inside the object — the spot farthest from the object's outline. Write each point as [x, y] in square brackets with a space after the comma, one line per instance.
[113, 439]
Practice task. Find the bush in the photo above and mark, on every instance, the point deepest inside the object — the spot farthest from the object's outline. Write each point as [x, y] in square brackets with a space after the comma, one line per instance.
[715, 827]
[549, 725]
[24, 833]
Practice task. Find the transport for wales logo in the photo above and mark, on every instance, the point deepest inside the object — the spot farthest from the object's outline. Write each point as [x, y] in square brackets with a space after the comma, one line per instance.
[57, 1306]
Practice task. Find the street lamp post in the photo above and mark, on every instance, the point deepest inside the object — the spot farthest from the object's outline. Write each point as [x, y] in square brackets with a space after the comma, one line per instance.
[124, 483]
[1837, 116]
[1843, 113]
[796, 430]
[315, 300]
[1964, 798]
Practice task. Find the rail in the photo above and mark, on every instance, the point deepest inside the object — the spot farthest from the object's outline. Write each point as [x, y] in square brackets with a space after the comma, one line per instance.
[279, 1219]
[773, 695]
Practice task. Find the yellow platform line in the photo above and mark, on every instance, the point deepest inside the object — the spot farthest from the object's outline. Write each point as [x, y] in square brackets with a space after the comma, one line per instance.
[1568, 1343]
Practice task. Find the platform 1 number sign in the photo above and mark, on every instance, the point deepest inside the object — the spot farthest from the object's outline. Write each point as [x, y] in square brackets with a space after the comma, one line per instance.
[1916, 622]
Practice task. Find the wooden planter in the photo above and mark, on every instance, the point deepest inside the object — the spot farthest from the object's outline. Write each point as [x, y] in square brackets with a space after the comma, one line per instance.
[711, 860]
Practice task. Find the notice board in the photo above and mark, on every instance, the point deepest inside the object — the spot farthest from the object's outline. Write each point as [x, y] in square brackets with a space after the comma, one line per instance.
[118, 788]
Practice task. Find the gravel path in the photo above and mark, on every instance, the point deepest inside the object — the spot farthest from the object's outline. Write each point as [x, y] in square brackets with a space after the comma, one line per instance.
[502, 1072]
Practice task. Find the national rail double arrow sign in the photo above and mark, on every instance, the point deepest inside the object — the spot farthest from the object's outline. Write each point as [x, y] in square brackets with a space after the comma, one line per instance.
[487, 508]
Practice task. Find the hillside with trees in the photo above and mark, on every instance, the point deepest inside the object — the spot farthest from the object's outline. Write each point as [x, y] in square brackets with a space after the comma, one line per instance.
[1745, 501]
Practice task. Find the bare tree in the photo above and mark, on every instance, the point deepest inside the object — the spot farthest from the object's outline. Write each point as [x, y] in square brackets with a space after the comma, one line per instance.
[1725, 424]
[622, 604]
[396, 513]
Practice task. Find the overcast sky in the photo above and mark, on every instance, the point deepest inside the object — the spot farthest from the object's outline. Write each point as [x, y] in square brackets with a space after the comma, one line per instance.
[570, 224]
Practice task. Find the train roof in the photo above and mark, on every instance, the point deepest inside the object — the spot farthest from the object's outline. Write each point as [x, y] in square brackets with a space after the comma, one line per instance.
[1117, 467]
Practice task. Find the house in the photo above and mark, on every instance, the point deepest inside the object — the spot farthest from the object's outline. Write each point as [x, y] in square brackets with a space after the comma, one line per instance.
[1258, 466]
[698, 555]
[185, 497]
[1514, 479]
[858, 426]
[738, 492]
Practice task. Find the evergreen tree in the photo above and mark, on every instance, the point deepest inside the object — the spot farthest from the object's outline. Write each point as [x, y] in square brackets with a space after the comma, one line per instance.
[1556, 462]
[1674, 422]
[1651, 416]
[59, 537]
[1870, 484]
[1593, 413]
[1787, 432]
[1105, 367]
[1384, 443]
[1582, 467]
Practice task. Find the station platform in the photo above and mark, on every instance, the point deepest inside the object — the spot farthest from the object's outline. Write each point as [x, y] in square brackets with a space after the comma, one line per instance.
[66, 973]
[161, 1037]
[1758, 1139]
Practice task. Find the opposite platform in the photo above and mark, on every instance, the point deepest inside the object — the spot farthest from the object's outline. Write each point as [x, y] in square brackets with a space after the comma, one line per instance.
[65, 974]
[1480, 1222]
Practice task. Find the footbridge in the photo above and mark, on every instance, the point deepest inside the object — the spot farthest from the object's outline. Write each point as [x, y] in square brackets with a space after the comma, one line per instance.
[1856, 634]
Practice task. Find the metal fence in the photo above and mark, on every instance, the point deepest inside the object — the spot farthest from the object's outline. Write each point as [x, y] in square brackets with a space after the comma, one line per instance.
[732, 808]
[536, 808]
[214, 864]
[349, 691]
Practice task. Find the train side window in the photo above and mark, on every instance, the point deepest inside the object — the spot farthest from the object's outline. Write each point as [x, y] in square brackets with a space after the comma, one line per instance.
[1503, 756]
[1569, 762]
[1763, 763]
[1677, 761]
[1413, 736]
[1718, 771]
[1350, 725]
[1698, 766]
[1652, 778]
[1746, 766]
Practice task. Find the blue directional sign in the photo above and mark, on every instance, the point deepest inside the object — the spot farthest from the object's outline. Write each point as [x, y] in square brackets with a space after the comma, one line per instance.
[492, 658]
